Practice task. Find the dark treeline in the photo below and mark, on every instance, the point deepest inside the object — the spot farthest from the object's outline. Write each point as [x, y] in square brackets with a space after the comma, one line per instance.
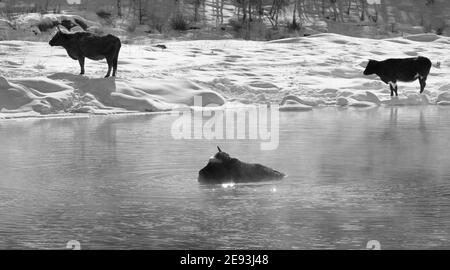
[245, 14]
[276, 13]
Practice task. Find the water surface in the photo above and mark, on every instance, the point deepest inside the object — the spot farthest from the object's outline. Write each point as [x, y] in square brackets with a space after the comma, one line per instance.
[124, 183]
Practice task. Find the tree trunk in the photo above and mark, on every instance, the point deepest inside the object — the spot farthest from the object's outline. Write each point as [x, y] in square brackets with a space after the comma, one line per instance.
[244, 11]
[140, 11]
[323, 8]
[294, 16]
[341, 8]
[363, 13]
[250, 11]
[196, 7]
[222, 5]
[119, 8]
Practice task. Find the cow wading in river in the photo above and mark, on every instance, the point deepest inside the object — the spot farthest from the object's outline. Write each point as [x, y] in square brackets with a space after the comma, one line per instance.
[83, 44]
[222, 168]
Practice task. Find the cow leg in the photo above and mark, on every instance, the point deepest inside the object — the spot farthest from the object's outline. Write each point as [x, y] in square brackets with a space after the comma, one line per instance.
[391, 85]
[110, 64]
[115, 59]
[423, 83]
[115, 66]
[81, 61]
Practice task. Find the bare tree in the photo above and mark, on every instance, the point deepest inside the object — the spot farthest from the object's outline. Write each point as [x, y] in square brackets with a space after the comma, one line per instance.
[119, 8]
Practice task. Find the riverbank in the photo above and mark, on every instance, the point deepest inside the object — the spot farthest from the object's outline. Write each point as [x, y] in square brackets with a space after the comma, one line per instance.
[37, 80]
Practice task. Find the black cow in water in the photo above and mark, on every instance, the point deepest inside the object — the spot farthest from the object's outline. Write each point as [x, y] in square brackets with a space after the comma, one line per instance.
[82, 44]
[223, 169]
[405, 70]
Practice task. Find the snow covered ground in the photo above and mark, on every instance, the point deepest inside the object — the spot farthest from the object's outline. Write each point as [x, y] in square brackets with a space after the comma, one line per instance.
[320, 70]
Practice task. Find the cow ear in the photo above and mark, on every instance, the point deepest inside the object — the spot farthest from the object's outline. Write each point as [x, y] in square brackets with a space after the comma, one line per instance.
[220, 150]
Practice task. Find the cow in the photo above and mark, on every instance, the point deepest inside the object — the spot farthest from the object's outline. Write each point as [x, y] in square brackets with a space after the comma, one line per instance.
[83, 45]
[222, 169]
[400, 69]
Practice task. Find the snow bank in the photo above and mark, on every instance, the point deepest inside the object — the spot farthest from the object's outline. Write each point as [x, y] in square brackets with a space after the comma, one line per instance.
[29, 20]
[294, 103]
[423, 37]
[39, 27]
[367, 97]
[443, 99]
[5, 29]
[66, 93]
[299, 73]
[309, 102]
[5, 25]
[411, 100]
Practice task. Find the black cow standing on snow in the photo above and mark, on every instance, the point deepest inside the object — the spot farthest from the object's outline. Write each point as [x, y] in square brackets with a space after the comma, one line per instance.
[83, 44]
[405, 70]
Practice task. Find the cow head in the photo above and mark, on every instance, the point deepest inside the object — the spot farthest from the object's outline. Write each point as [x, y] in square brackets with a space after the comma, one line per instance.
[217, 170]
[58, 39]
[220, 157]
[371, 67]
